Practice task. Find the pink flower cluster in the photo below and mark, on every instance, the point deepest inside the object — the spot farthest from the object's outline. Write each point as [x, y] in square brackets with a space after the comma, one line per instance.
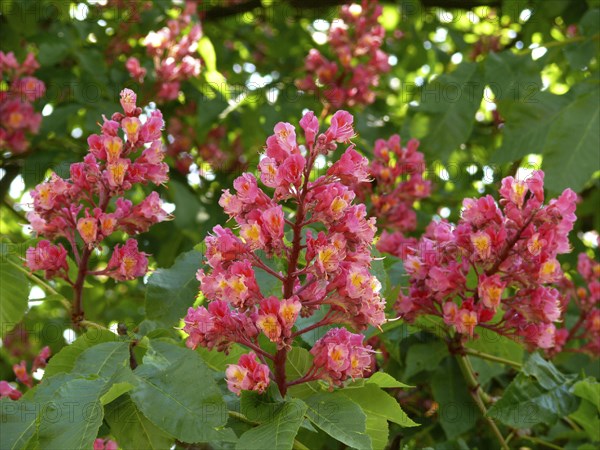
[498, 257]
[81, 209]
[326, 255]
[173, 50]
[19, 90]
[397, 175]
[355, 39]
[23, 375]
[587, 299]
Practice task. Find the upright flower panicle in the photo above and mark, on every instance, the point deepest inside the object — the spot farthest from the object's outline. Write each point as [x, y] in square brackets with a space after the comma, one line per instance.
[323, 242]
[396, 182]
[355, 39]
[510, 249]
[17, 114]
[90, 206]
[173, 50]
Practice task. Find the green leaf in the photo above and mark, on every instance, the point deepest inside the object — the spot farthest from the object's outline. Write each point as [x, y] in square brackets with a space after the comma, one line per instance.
[207, 52]
[339, 417]
[64, 360]
[52, 52]
[587, 415]
[131, 429]
[18, 423]
[527, 125]
[181, 398]
[379, 407]
[513, 77]
[298, 362]
[170, 292]
[539, 394]
[14, 292]
[571, 153]
[427, 356]
[72, 415]
[448, 105]
[218, 360]
[103, 359]
[458, 413]
[384, 380]
[497, 345]
[279, 431]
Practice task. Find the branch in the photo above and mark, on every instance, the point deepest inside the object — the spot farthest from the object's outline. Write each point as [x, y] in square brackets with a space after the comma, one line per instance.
[476, 392]
[482, 355]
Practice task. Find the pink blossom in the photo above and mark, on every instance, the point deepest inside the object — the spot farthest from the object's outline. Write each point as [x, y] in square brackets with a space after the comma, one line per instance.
[48, 257]
[128, 100]
[7, 391]
[490, 290]
[126, 262]
[341, 129]
[310, 125]
[351, 168]
[340, 355]
[247, 375]
[22, 375]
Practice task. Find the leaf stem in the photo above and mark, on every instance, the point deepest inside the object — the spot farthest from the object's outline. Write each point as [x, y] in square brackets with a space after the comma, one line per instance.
[476, 392]
[542, 442]
[41, 283]
[487, 356]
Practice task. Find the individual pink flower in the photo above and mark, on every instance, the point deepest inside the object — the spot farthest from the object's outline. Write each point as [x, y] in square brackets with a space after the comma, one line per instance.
[7, 391]
[22, 375]
[126, 262]
[247, 375]
[45, 256]
[41, 359]
[490, 290]
[105, 444]
[341, 128]
[128, 100]
[351, 168]
[340, 355]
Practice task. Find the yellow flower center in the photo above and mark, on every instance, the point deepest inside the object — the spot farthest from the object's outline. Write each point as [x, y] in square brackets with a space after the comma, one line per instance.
[15, 119]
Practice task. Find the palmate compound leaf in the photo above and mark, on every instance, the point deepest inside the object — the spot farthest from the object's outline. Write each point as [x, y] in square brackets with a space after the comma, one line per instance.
[539, 394]
[66, 410]
[177, 393]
